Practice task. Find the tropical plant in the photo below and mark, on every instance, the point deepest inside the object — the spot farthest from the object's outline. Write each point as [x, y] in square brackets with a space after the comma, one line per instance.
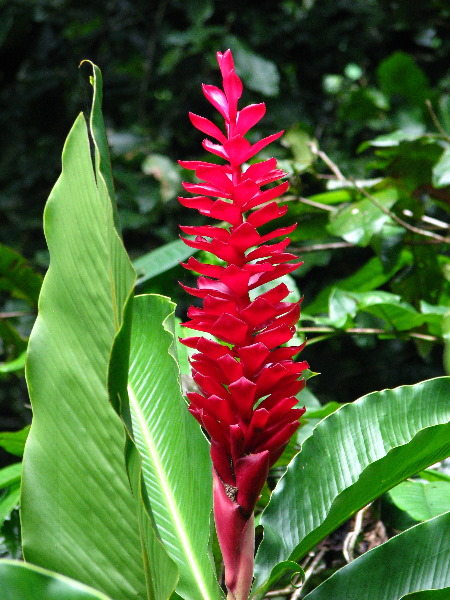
[117, 487]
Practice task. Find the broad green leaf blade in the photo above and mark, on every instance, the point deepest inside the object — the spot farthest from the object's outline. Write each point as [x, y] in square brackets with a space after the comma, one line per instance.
[353, 456]
[174, 452]
[433, 475]
[78, 512]
[161, 259]
[161, 573]
[422, 501]
[21, 581]
[443, 594]
[415, 560]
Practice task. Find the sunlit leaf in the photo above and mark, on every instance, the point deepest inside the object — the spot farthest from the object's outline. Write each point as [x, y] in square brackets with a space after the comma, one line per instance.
[354, 455]
[417, 559]
[21, 581]
[161, 259]
[422, 501]
[174, 452]
[78, 512]
[359, 221]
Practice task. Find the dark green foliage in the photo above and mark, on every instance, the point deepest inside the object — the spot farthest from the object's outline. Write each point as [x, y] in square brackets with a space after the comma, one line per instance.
[345, 75]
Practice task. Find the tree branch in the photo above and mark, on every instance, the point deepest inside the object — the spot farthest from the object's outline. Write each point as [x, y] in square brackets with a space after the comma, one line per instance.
[369, 331]
[338, 173]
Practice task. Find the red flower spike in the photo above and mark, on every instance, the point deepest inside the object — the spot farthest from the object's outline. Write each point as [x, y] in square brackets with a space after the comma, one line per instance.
[247, 379]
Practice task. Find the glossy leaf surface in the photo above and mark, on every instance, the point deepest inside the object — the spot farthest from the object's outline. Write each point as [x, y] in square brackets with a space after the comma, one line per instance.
[353, 456]
[422, 501]
[415, 560]
[443, 594]
[161, 259]
[21, 581]
[174, 452]
[78, 512]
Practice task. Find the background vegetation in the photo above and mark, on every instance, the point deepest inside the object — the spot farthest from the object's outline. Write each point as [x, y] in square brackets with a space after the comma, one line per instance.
[362, 90]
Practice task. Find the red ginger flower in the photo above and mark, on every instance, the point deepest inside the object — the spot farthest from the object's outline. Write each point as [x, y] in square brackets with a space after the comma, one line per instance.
[247, 384]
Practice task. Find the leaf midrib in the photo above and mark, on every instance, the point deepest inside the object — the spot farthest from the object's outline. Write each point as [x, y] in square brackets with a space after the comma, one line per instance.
[174, 512]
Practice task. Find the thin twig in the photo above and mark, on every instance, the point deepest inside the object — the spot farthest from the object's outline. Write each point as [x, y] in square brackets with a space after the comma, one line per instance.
[348, 547]
[10, 315]
[397, 219]
[435, 222]
[436, 120]
[327, 160]
[338, 173]
[293, 198]
[367, 331]
[318, 247]
[315, 204]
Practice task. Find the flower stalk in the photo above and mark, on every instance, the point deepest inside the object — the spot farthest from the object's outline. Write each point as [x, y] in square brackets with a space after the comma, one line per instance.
[246, 377]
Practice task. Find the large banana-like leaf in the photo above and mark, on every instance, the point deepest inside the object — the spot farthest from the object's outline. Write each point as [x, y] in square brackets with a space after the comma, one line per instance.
[443, 594]
[353, 456]
[417, 559]
[174, 452]
[78, 512]
[21, 581]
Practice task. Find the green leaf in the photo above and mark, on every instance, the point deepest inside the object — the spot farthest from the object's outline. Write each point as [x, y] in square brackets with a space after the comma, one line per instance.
[443, 594]
[298, 140]
[341, 306]
[14, 441]
[364, 449]
[17, 276]
[258, 73]
[324, 411]
[399, 75]
[284, 568]
[174, 452]
[441, 170]
[337, 196]
[14, 365]
[78, 512]
[21, 581]
[161, 573]
[433, 475]
[9, 500]
[161, 259]
[370, 276]
[422, 501]
[199, 11]
[359, 221]
[414, 560]
[399, 315]
[99, 139]
[10, 474]
[390, 140]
